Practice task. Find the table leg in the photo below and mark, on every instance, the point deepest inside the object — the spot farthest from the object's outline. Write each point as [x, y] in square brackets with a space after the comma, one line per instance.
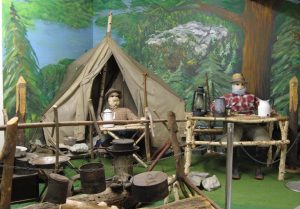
[188, 148]
[229, 157]
[283, 125]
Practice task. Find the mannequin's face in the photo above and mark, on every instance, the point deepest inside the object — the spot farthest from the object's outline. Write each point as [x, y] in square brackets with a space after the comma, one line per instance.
[238, 86]
[114, 100]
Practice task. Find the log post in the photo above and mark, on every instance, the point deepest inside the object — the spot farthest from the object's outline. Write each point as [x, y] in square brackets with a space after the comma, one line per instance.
[293, 155]
[21, 107]
[284, 131]
[8, 156]
[181, 177]
[189, 143]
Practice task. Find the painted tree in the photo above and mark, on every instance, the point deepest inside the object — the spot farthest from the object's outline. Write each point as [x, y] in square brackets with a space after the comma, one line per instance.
[257, 22]
[20, 60]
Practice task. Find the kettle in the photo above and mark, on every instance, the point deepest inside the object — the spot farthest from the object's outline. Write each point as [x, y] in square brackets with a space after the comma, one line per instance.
[264, 108]
[108, 116]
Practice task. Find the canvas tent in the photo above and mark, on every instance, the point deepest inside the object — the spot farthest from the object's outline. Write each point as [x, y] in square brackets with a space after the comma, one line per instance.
[107, 64]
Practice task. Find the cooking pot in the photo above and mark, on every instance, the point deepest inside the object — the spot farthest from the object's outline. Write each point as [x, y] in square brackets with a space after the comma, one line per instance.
[150, 186]
[92, 178]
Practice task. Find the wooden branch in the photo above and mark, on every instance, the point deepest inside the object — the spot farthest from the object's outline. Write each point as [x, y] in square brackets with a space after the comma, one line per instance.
[223, 13]
[8, 156]
[243, 143]
[5, 116]
[254, 119]
[180, 175]
[82, 123]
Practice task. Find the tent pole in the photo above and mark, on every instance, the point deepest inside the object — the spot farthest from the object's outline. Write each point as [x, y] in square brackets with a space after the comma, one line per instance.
[57, 139]
[145, 90]
[147, 138]
[109, 23]
[102, 87]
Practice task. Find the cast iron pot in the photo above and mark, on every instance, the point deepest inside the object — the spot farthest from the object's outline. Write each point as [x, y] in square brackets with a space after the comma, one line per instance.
[92, 178]
[150, 186]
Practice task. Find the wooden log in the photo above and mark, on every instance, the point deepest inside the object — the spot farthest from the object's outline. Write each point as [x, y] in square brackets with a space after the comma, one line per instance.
[82, 123]
[165, 148]
[108, 196]
[292, 158]
[243, 143]
[284, 132]
[180, 174]
[8, 157]
[197, 202]
[254, 119]
[21, 107]
[189, 143]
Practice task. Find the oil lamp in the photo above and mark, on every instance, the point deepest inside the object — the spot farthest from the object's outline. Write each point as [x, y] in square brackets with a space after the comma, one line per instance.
[199, 105]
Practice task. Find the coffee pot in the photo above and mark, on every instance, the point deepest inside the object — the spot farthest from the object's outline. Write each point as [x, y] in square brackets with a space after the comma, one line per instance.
[264, 108]
[108, 116]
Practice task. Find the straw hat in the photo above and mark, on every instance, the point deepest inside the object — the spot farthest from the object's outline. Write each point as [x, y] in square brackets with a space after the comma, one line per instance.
[112, 90]
[238, 77]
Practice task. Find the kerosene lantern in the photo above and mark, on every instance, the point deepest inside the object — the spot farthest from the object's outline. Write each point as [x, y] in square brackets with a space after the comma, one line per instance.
[199, 105]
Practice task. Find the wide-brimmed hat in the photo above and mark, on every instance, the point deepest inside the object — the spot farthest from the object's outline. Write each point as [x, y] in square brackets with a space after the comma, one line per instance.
[238, 77]
[112, 90]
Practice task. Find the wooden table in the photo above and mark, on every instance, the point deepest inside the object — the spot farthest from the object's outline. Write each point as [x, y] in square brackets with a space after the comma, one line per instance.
[245, 119]
[231, 120]
[131, 127]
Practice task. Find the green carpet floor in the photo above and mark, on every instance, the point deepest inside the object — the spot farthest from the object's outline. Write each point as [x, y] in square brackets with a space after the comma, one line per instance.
[247, 193]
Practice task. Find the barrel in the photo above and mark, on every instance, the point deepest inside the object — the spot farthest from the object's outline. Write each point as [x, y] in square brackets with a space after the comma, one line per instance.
[92, 178]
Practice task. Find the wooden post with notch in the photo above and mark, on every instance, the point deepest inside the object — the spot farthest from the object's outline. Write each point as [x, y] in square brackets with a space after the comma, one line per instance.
[8, 156]
[293, 160]
[21, 107]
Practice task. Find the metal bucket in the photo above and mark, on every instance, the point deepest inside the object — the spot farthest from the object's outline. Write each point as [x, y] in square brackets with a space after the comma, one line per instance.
[92, 178]
[57, 189]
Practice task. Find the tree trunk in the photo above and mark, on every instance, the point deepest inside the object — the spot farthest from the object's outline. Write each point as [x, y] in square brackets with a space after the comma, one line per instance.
[258, 22]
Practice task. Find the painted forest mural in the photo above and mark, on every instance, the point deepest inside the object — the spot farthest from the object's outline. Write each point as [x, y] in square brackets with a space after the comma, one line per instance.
[182, 41]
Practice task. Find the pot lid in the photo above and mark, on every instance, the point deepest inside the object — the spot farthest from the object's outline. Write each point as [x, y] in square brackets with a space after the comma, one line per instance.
[149, 178]
[122, 141]
[48, 160]
[113, 149]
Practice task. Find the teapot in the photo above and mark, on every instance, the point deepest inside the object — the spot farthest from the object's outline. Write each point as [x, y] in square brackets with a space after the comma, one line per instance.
[108, 116]
[264, 108]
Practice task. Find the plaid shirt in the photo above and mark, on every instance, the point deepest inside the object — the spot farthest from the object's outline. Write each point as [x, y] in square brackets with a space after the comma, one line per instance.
[246, 103]
[123, 113]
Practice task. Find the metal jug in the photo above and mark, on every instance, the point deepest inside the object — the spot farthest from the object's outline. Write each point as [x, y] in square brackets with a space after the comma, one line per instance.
[220, 107]
[264, 108]
[108, 116]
